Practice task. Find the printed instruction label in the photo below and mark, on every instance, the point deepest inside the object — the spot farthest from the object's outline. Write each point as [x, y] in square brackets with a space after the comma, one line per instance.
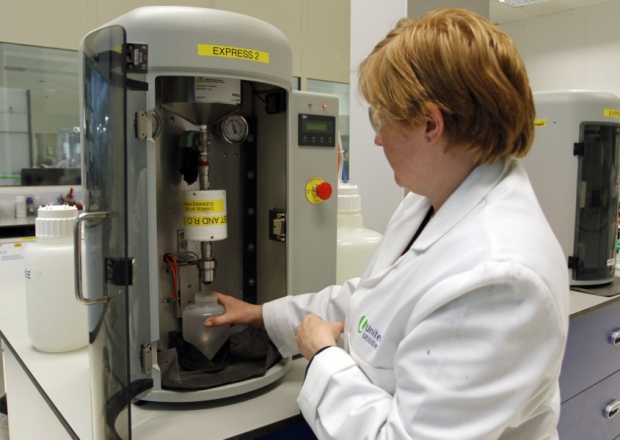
[240, 53]
[212, 220]
[203, 206]
[217, 90]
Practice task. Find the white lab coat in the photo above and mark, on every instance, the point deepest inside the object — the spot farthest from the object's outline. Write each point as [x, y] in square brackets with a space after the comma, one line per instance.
[462, 337]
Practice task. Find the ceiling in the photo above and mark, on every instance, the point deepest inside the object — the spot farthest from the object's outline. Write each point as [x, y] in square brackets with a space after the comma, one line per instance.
[501, 13]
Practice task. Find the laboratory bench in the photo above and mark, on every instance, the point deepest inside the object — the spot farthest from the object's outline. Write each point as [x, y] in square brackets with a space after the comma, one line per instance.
[49, 394]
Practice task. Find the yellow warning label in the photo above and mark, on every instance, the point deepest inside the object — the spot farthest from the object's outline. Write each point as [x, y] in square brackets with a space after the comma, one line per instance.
[211, 220]
[611, 113]
[540, 122]
[203, 206]
[311, 194]
[212, 50]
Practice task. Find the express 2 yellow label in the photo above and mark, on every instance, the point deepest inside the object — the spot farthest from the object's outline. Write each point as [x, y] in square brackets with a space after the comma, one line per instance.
[611, 113]
[240, 53]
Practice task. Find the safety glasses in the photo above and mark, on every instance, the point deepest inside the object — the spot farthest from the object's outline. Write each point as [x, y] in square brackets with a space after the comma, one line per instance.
[375, 122]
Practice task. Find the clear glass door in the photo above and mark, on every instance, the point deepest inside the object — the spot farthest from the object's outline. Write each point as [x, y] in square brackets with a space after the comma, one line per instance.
[597, 203]
[107, 267]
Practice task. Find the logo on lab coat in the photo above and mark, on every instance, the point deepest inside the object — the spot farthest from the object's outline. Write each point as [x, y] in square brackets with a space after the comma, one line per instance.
[369, 334]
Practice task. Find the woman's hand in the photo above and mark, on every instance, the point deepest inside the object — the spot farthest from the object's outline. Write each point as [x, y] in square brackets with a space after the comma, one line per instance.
[315, 333]
[237, 312]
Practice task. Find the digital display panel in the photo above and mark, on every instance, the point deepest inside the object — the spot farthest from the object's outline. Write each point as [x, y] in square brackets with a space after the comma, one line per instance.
[317, 130]
[317, 126]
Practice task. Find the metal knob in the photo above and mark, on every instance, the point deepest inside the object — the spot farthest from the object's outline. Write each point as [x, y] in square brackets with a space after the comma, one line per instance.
[612, 409]
[615, 337]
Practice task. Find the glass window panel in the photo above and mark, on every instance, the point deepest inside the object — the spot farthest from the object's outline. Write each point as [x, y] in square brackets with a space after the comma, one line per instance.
[39, 116]
[597, 203]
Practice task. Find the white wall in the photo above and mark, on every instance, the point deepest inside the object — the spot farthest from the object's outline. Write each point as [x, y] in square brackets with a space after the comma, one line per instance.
[578, 49]
[371, 20]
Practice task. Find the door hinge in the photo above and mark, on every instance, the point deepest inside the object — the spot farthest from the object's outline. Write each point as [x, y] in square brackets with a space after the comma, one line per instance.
[579, 149]
[120, 271]
[141, 125]
[573, 262]
[146, 358]
[137, 57]
[277, 224]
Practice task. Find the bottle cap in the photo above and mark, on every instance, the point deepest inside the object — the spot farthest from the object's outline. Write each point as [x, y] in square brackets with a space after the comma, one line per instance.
[55, 221]
[349, 199]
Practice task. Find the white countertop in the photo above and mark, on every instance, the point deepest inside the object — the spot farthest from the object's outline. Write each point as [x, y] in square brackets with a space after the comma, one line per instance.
[65, 379]
[580, 302]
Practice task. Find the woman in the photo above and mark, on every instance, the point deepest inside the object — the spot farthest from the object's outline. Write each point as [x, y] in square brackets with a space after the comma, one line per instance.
[457, 328]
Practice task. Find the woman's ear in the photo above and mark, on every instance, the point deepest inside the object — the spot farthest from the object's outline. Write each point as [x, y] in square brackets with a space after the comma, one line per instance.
[434, 124]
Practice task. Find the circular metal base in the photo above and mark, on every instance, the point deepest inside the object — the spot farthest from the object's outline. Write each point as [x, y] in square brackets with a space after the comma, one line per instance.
[230, 390]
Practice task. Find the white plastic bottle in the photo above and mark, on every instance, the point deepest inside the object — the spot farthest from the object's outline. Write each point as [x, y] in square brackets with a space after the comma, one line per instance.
[355, 244]
[206, 339]
[20, 206]
[57, 322]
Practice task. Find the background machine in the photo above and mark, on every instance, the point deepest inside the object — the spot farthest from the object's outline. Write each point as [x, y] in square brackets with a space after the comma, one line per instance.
[573, 166]
[202, 171]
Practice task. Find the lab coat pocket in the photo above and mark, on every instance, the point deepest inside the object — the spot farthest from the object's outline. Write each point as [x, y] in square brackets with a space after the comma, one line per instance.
[382, 377]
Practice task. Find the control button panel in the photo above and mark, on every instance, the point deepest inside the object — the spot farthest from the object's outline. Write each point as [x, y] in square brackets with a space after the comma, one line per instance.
[316, 130]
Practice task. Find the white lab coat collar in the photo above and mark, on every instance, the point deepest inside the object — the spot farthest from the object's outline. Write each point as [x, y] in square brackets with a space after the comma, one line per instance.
[467, 196]
[410, 214]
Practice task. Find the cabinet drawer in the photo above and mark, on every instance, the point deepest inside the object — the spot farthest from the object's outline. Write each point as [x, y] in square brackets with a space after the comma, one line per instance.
[590, 355]
[583, 416]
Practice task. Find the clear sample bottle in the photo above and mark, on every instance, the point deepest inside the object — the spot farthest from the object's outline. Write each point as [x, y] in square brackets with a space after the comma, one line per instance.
[57, 322]
[208, 340]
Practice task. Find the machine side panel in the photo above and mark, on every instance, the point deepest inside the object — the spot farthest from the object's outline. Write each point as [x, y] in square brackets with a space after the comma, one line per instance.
[312, 227]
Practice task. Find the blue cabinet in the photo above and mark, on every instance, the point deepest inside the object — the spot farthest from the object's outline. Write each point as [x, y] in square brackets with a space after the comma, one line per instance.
[590, 378]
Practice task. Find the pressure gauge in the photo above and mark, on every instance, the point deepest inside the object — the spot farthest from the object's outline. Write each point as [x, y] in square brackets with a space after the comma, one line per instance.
[234, 129]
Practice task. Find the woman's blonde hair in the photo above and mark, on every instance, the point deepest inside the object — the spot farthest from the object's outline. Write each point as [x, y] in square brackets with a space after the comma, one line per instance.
[466, 66]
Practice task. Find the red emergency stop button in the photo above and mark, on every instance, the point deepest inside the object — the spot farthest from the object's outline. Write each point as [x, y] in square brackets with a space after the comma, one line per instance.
[324, 190]
[318, 190]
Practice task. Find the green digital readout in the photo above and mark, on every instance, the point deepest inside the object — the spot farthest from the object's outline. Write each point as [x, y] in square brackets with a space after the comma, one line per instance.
[316, 126]
[316, 130]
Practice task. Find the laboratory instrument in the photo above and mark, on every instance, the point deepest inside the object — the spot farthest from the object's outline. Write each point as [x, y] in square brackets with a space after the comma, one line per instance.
[573, 167]
[202, 171]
